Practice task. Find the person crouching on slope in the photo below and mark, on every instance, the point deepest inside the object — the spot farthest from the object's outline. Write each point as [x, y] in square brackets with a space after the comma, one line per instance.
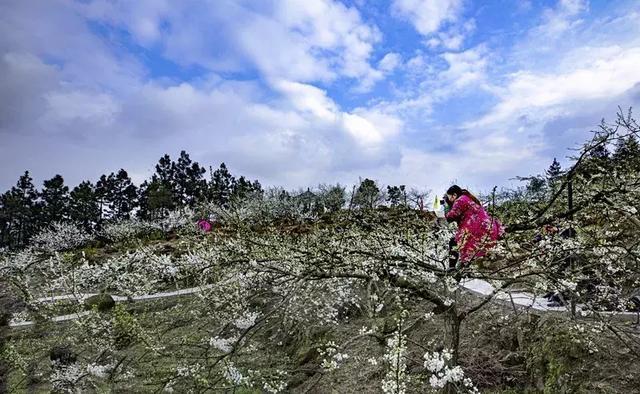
[477, 230]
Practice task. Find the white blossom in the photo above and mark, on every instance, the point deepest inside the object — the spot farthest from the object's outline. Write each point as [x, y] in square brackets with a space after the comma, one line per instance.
[246, 321]
[99, 371]
[60, 236]
[438, 363]
[225, 345]
[233, 375]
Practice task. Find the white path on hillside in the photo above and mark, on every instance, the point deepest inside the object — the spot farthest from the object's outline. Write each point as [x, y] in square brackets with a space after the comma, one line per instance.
[479, 287]
[80, 297]
[526, 300]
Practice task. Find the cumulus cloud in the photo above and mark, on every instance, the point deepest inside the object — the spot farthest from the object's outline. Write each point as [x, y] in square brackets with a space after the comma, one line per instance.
[427, 16]
[270, 89]
[602, 73]
[389, 62]
[452, 38]
[300, 41]
[278, 127]
[465, 67]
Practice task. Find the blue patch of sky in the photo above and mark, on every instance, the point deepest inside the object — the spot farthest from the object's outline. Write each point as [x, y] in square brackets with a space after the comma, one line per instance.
[464, 107]
[155, 63]
[499, 24]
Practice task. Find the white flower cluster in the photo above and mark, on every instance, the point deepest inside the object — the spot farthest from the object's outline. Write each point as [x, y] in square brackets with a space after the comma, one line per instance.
[99, 371]
[426, 276]
[246, 321]
[189, 370]
[365, 331]
[321, 302]
[135, 272]
[178, 220]
[128, 229]
[200, 259]
[442, 373]
[66, 378]
[225, 345]
[233, 375]
[332, 358]
[451, 284]
[60, 236]
[395, 381]
[277, 384]
[19, 317]
[168, 387]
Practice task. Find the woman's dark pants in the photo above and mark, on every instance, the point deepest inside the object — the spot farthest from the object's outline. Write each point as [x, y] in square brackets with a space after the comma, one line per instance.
[453, 253]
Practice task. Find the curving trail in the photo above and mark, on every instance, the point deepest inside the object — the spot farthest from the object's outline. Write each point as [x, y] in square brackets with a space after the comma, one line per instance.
[478, 287]
[80, 297]
[530, 301]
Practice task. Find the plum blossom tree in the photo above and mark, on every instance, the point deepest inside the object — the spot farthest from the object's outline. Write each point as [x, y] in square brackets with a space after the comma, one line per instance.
[268, 286]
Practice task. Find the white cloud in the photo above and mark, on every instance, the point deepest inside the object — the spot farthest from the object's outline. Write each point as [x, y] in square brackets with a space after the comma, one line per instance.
[600, 74]
[560, 19]
[465, 67]
[310, 41]
[427, 16]
[308, 99]
[371, 129]
[452, 38]
[98, 108]
[289, 132]
[389, 62]
[281, 125]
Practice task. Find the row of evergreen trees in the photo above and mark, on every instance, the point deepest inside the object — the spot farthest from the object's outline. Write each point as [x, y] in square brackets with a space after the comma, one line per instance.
[624, 158]
[24, 210]
[621, 159]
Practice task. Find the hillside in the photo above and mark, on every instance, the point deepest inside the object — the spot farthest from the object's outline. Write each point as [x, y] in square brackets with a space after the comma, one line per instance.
[273, 317]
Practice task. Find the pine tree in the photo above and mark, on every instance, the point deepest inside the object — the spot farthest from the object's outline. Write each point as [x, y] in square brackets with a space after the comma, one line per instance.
[84, 207]
[367, 195]
[306, 200]
[190, 185]
[627, 153]
[597, 160]
[244, 189]
[125, 196]
[104, 191]
[5, 219]
[554, 170]
[117, 195]
[20, 212]
[257, 190]
[600, 152]
[160, 195]
[536, 186]
[221, 185]
[553, 174]
[165, 171]
[330, 199]
[55, 200]
[156, 200]
[396, 195]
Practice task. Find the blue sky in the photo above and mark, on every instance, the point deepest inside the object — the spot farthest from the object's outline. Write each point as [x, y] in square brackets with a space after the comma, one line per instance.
[297, 93]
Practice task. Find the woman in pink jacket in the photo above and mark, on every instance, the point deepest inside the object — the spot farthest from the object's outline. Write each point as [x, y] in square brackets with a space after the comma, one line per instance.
[477, 230]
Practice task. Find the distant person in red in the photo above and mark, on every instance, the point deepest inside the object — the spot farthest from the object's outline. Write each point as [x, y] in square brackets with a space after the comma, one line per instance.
[204, 225]
[477, 230]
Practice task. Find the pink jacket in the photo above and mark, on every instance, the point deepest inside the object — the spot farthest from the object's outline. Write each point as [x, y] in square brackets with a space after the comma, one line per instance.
[477, 231]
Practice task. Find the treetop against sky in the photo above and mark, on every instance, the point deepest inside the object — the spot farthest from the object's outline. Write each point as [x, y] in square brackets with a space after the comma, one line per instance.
[294, 93]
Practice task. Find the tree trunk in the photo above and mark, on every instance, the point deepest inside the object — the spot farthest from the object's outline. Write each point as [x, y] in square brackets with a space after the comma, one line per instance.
[5, 316]
[452, 341]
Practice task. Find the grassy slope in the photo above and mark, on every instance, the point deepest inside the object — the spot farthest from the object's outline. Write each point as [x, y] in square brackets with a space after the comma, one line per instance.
[502, 351]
